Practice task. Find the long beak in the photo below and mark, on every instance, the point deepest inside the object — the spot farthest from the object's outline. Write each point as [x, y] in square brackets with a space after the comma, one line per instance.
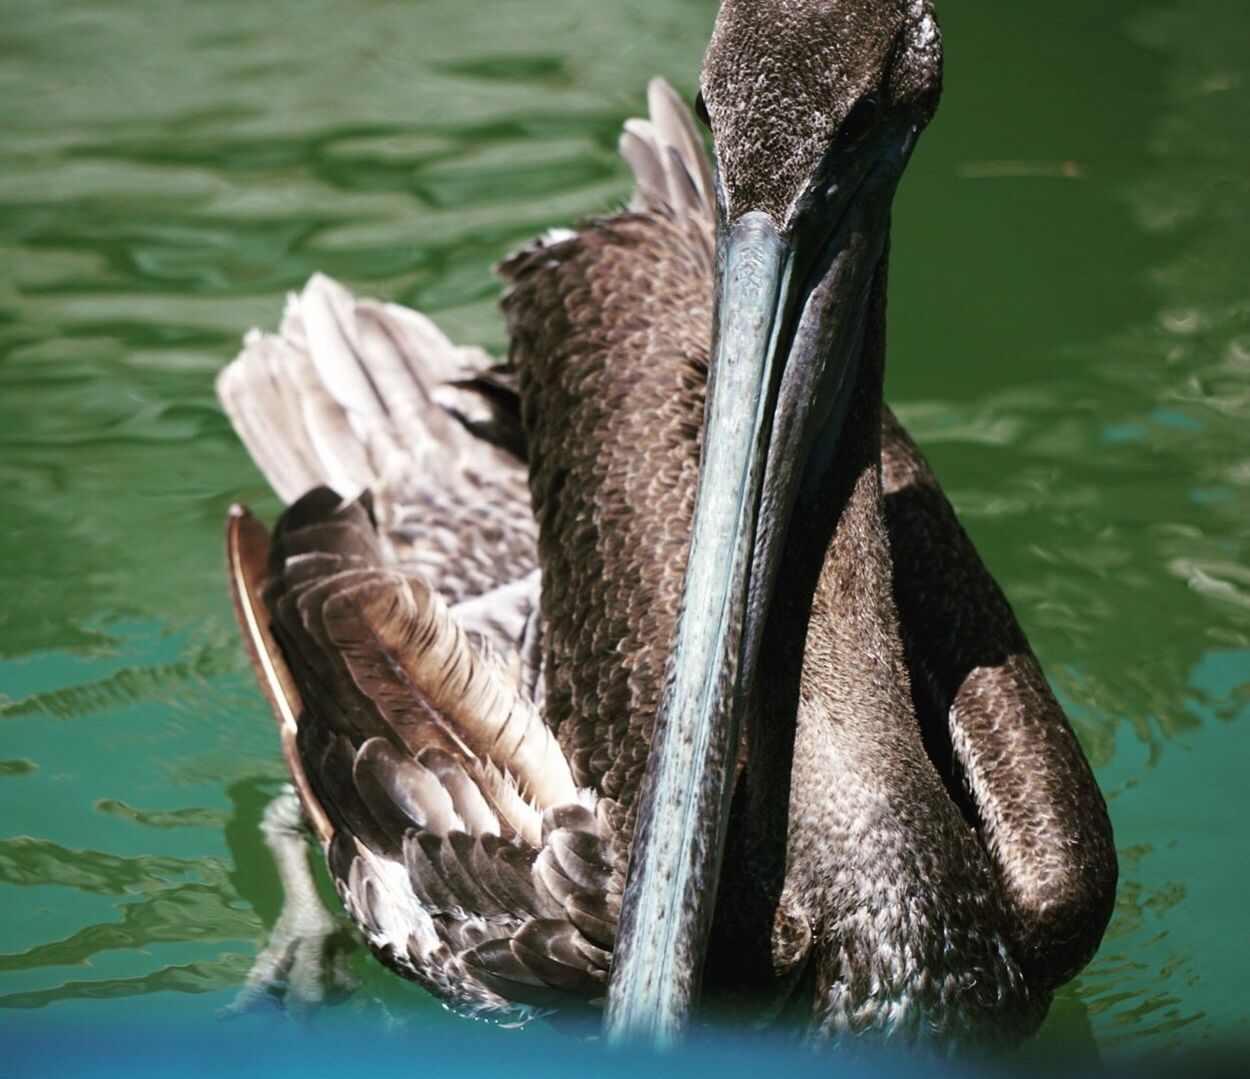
[789, 329]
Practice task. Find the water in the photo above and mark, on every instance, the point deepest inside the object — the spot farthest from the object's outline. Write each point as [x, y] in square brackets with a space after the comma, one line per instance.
[1070, 342]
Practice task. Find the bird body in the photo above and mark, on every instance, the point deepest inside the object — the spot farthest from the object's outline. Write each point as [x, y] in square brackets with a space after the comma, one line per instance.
[470, 625]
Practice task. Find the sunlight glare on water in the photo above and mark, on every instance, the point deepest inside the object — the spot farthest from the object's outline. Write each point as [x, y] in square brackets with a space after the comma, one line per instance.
[1069, 341]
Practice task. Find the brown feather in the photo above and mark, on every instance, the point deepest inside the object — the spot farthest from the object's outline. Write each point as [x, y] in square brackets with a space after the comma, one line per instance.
[247, 555]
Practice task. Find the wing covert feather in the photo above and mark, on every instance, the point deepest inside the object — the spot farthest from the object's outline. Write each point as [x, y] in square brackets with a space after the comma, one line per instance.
[436, 789]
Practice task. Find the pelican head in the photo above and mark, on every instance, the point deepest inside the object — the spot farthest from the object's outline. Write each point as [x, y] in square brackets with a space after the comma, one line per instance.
[814, 107]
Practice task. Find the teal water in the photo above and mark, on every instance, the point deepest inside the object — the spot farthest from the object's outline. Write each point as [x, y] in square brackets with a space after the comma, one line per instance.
[1069, 341]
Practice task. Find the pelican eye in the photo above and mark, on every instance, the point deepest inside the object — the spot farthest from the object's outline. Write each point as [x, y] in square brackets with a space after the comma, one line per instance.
[859, 121]
[700, 110]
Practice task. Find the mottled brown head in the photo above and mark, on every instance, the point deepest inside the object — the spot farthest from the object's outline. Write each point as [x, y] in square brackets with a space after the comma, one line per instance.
[784, 79]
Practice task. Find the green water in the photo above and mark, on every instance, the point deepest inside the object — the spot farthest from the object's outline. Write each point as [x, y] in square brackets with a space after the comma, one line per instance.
[1069, 340]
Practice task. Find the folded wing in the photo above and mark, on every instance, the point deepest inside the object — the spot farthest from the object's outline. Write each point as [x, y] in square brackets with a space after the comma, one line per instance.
[392, 621]
[453, 830]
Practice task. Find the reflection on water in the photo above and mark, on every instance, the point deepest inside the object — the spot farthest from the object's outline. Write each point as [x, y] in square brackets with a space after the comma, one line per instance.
[1070, 340]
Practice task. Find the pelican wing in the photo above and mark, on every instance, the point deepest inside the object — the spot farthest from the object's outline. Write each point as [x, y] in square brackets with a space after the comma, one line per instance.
[993, 722]
[453, 830]
[358, 395]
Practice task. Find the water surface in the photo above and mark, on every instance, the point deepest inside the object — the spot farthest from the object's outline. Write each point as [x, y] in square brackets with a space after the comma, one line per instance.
[1069, 341]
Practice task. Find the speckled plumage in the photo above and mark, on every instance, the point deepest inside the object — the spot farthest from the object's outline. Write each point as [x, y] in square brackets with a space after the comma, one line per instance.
[986, 706]
[883, 890]
[917, 847]
[609, 338]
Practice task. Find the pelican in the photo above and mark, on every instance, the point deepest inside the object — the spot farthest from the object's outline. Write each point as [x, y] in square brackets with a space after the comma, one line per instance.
[652, 663]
